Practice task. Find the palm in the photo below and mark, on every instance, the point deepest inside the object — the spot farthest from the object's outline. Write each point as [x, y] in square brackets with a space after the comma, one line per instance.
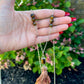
[17, 31]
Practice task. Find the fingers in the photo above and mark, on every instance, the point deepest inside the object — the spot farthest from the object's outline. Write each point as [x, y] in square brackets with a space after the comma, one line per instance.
[57, 21]
[45, 13]
[49, 30]
[41, 39]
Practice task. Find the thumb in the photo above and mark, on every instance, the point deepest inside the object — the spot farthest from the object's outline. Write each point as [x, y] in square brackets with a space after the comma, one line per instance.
[9, 3]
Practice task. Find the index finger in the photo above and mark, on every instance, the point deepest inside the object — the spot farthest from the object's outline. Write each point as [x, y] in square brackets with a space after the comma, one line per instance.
[45, 13]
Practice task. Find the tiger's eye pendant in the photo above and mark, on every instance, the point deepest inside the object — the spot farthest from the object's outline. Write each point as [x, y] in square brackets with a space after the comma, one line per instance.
[43, 61]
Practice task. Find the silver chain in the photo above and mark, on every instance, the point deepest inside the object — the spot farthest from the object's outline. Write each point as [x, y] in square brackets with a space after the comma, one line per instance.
[39, 57]
[54, 57]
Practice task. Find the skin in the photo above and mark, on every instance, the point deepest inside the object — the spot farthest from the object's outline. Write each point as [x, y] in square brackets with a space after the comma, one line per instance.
[17, 31]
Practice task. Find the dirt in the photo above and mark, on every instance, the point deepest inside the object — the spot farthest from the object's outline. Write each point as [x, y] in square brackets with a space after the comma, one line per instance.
[17, 75]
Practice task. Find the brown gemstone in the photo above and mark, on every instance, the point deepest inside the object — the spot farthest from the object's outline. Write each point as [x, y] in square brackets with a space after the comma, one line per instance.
[33, 19]
[43, 61]
[50, 25]
[51, 21]
[52, 16]
[34, 23]
[32, 15]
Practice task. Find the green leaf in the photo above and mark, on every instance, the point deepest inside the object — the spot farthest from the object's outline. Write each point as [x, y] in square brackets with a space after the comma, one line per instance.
[33, 7]
[30, 60]
[56, 61]
[20, 62]
[60, 65]
[12, 56]
[80, 21]
[50, 51]
[35, 69]
[36, 63]
[5, 55]
[82, 55]
[58, 71]
[67, 4]
[59, 54]
[76, 61]
[50, 69]
[61, 48]
[71, 29]
[67, 63]
[12, 64]
[66, 49]
[56, 48]
[62, 59]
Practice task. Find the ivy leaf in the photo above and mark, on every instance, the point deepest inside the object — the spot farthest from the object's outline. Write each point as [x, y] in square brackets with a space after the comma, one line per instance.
[68, 4]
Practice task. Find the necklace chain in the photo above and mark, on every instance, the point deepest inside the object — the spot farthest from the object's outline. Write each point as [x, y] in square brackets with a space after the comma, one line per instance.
[39, 57]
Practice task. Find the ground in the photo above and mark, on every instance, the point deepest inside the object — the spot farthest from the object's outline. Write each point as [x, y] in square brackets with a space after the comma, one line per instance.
[19, 76]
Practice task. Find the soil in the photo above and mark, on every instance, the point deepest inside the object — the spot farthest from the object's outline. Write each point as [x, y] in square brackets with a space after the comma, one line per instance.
[16, 75]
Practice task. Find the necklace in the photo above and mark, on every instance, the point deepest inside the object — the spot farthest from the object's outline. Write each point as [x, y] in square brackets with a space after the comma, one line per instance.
[42, 60]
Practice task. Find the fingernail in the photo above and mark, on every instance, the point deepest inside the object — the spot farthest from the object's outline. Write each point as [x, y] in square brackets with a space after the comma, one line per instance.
[61, 32]
[73, 19]
[70, 24]
[67, 13]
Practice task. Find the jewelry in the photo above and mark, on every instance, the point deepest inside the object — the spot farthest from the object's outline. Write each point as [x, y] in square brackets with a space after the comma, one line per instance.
[33, 19]
[51, 21]
[34, 24]
[42, 60]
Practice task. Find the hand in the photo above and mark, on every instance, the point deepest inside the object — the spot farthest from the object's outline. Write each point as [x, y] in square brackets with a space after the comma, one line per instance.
[17, 31]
